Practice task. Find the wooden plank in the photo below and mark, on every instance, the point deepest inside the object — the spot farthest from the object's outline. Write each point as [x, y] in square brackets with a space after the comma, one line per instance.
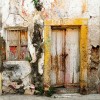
[60, 73]
[23, 44]
[16, 28]
[57, 57]
[13, 44]
[68, 78]
[12, 36]
[76, 55]
[72, 61]
[23, 36]
[7, 46]
[19, 44]
[53, 57]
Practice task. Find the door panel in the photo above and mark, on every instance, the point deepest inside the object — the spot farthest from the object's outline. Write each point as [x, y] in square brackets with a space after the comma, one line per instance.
[60, 60]
[72, 60]
[64, 57]
[53, 58]
[57, 61]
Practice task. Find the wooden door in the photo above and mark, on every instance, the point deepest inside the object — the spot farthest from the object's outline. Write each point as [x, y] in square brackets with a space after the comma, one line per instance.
[72, 60]
[64, 57]
[57, 57]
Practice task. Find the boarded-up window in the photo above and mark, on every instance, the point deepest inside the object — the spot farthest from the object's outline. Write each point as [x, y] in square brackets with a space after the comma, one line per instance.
[17, 44]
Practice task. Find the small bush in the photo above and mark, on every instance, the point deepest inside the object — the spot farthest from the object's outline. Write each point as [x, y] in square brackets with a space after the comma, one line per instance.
[50, 92]
[38, 4]
[40, 90]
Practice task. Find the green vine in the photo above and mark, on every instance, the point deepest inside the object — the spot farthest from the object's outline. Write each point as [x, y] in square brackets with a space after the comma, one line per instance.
[35, 1]
[49, 93]
[38, 4]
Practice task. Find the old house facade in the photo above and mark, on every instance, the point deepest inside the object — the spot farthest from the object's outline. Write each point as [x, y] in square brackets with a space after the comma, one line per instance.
[51, 43]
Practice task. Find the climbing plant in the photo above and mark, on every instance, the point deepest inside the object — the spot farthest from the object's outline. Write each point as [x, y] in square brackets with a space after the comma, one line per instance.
[2, 53]
[38, 4]
[37, 79]
[49, 93]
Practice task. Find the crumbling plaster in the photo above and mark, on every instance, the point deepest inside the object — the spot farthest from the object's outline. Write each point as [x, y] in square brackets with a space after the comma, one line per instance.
[23, 13]
[51, 9]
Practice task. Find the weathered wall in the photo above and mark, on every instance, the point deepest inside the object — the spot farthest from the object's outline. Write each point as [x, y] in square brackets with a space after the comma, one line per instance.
[16, 77]
[0, 15]
[23, 13]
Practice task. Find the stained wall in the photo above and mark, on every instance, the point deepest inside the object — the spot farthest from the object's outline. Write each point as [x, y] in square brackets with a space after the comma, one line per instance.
[23, 13]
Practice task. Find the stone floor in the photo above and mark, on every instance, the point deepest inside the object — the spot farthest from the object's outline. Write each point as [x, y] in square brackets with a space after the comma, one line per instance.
[54, 97]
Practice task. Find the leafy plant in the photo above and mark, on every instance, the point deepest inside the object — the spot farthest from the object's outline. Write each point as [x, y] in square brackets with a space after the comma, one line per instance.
[50, 92]
[35, 1]
[40, 90]
[38, 4]
[28, 59]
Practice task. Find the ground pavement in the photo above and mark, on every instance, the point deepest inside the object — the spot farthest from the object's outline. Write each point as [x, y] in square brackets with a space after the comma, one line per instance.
[54, 97]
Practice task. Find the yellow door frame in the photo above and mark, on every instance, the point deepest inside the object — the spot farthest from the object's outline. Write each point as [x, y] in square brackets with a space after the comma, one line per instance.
[82, 24]
[0, 84]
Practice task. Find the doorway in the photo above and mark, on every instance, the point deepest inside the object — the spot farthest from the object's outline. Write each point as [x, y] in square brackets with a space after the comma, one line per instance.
[65, 58]
[79, 74]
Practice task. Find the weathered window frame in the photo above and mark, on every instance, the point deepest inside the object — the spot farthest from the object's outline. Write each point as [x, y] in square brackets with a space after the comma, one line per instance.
[82, 24]
[19, 28]
[5, 29]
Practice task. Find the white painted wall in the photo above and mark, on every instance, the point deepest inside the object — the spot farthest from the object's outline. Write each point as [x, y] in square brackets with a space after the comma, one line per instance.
[23, 13]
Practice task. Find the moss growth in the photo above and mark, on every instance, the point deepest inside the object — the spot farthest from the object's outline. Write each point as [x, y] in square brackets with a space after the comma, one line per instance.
[2, 53]
[50, 92]
[28, 59]
[40, 91]
[38, 4]
[37, 41]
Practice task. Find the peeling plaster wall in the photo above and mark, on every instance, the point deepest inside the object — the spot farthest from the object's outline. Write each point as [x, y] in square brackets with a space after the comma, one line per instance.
[17, 16]
[16, 76]
[0, 15]
[23, 13]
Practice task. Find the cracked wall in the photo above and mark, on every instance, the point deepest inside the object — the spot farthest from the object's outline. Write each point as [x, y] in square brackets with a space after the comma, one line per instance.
[16, 77]
[94, 71]
[23, 13]
[0, 15]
